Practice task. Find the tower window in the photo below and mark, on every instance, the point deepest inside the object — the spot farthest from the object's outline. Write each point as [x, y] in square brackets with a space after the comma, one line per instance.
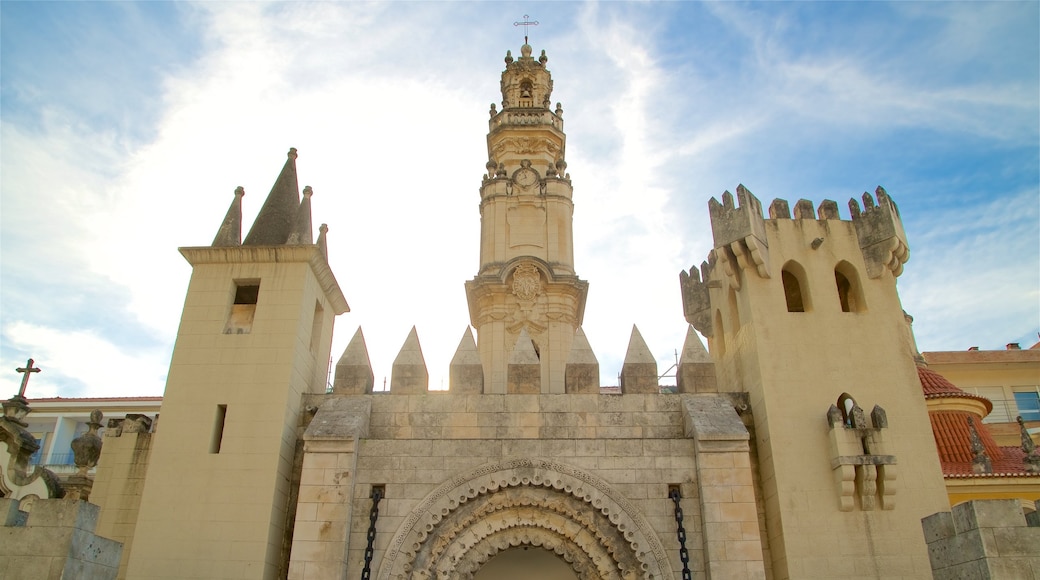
[850, 295]
[243, 308]
[319, 317]
[792, 292]
[526, 94]
[218, 429]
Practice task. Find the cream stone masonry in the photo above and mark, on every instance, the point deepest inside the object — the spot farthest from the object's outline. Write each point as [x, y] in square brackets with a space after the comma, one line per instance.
[354, 369]
[218, 482]
[55, 541]
[119, 480]
[467, 476]
[582, 373]
[799, 311]
[466, 374]
[526, 280]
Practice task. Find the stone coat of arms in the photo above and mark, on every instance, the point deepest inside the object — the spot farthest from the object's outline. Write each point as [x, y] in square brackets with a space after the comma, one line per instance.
[527, 283]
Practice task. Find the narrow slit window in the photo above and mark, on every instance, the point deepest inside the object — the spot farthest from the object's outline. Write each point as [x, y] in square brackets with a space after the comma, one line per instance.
[218, 429]
[319, 317]
[243, 308]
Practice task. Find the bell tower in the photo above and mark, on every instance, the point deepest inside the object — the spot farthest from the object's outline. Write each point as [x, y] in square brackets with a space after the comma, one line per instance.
[526, 279]
[255, 336]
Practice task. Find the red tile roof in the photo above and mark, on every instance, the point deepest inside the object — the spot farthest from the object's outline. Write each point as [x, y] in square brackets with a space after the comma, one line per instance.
[936, 386]
[953, 438]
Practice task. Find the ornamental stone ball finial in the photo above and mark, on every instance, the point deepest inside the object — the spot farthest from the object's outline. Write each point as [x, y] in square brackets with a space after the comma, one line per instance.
[292, 153]
[86, 448]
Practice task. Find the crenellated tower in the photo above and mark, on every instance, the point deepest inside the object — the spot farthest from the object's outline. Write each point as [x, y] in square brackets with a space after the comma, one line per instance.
[802, 314]
[254, 338]
[526, 281]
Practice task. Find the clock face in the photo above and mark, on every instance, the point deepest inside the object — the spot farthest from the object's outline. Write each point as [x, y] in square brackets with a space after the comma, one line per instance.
[526, 177]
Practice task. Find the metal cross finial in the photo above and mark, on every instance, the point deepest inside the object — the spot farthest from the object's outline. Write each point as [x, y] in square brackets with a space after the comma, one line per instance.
[26, 373]
[525, 24]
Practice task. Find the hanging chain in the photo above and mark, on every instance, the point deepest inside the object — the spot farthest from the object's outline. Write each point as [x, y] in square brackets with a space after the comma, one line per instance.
[684, 554]
[377, 494]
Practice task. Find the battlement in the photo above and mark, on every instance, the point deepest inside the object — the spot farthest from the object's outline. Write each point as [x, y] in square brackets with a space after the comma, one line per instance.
[740, 240]
[695, 298]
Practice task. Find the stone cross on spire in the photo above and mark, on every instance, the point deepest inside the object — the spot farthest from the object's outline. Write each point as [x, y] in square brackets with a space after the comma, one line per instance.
[525, 24]
[26, 371]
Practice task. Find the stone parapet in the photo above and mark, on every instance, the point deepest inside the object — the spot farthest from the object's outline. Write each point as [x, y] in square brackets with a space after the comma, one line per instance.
[56, 540]
[440, 414]
[983, 539]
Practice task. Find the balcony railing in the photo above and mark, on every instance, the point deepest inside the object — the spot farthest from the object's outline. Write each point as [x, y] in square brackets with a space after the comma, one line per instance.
[1006, 411]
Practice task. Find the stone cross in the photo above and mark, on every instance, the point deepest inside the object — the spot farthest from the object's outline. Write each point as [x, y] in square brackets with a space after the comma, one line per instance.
[26, 373]
[525, 24]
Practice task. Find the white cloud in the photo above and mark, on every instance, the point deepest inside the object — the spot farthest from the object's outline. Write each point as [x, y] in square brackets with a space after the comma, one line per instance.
[388, 112]
[101, 368]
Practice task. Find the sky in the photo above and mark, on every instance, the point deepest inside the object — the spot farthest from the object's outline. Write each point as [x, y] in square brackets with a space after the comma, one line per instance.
[125, 128]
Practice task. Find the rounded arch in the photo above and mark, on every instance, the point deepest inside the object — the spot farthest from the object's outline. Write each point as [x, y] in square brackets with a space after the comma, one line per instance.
[466, 520]
[540, 264]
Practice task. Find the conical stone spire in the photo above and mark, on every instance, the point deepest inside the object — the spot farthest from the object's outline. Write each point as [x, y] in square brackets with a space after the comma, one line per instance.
[582, 373]
[354, 369]
[466, 374]
[230, 232]
[409, 375]
[696, 369]
[639, 371]
[524, 371]
[302, 233]
[274, 223]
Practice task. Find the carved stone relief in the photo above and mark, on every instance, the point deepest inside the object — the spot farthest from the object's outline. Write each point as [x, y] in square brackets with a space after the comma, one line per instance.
[470, 518]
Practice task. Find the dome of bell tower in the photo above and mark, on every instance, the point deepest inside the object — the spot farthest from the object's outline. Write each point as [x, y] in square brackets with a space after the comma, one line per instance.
[526, 83]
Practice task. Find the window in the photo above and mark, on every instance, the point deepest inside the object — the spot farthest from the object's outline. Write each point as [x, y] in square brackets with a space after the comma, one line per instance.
[316, 324]
[1027, 399]
[240, 319]
[795, 290]
[850, 293]
[218, 429]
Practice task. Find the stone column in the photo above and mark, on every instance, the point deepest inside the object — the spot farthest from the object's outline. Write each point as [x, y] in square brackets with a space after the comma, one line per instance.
[321, 537]
[729, 517]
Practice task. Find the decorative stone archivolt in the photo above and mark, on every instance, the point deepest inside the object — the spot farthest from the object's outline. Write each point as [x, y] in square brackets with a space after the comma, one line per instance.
[467, 520]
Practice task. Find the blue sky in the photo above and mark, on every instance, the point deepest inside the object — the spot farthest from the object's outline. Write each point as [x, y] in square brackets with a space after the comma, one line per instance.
[125, 128]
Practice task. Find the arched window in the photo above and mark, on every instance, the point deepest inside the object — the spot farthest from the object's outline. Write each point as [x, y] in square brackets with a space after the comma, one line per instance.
[796, 291]
[526, 94]
[734, 312]
[850, 293]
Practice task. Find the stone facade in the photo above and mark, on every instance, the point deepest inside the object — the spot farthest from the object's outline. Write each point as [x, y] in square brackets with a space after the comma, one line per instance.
[764, 464]
[55, 541]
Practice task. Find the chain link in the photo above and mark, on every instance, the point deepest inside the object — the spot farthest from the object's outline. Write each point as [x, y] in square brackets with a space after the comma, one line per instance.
[377, 494]
[680, 532]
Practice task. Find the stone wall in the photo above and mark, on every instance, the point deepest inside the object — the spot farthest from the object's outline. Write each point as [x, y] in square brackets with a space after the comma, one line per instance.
[55, 540]
[465, 477]
[984, 539]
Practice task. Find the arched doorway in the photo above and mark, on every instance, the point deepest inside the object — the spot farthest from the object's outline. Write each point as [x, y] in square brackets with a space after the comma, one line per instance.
[524, 563]
[501, 508]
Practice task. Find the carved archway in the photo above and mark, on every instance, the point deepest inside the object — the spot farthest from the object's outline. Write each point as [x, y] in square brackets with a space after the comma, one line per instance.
[466, 521]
